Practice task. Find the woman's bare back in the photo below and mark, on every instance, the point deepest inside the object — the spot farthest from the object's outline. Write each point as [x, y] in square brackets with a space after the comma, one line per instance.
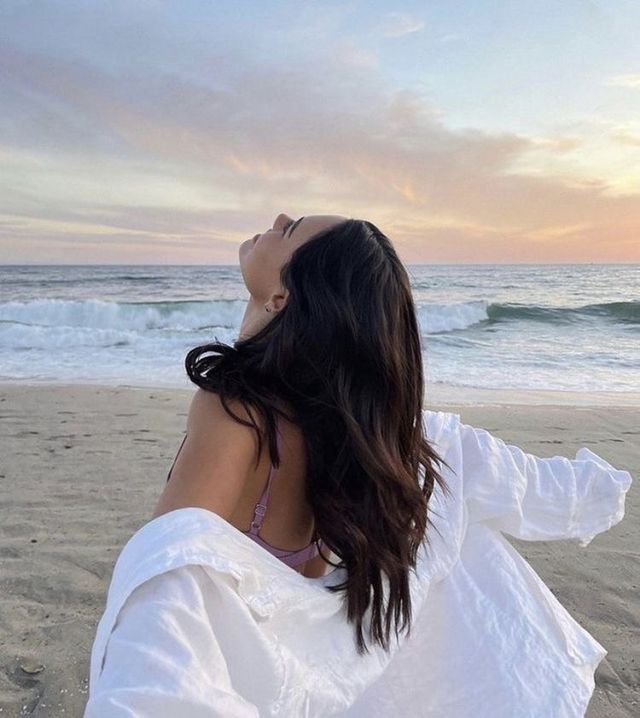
[289, 522]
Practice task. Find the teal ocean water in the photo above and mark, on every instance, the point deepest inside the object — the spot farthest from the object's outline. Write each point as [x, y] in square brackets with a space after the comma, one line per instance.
[540, 327]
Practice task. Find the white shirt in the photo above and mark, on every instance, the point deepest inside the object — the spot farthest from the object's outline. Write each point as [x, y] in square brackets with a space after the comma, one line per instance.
[202, 621]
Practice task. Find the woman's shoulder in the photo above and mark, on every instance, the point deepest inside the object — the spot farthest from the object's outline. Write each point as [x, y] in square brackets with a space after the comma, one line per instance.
[440, 426]
[208, 406]
[215, 461]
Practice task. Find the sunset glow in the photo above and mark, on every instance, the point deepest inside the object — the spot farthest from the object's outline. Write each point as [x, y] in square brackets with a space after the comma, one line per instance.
[170, 133]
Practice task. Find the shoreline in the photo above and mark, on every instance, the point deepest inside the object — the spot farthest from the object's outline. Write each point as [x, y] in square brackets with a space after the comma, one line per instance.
[436, 394]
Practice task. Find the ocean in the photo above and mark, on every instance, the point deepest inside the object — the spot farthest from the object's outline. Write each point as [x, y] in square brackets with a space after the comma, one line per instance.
[537, 327]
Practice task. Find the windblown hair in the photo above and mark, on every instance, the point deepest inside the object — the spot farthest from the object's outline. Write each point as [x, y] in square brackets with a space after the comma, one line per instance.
[345, 353]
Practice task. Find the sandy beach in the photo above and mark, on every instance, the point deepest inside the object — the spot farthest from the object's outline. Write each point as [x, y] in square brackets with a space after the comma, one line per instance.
[82, 467]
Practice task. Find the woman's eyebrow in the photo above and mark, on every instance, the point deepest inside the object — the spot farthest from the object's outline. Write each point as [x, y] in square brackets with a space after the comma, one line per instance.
[293, 226]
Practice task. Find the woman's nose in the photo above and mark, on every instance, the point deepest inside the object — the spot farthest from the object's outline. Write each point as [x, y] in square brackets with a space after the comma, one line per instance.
[281, 220]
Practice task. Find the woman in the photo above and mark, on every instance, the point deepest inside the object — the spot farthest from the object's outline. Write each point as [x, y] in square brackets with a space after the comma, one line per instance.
[314, 507]
[343, 366]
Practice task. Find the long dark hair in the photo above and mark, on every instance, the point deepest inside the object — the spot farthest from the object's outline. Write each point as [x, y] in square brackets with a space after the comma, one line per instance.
[345, 354]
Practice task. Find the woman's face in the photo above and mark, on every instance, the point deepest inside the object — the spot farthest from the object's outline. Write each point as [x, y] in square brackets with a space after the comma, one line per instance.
[263, 256]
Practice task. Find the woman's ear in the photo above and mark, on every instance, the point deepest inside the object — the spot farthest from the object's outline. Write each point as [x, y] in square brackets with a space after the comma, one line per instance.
[279, 301]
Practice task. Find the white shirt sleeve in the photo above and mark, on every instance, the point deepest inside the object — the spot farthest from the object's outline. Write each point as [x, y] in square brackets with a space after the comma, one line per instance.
[539, 499]
[162, 657]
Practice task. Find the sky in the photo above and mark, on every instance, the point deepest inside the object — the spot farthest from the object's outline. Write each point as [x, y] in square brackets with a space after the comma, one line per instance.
[135, 132]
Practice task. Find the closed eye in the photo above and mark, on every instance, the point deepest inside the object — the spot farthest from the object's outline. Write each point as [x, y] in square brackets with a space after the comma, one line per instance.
[295, 224]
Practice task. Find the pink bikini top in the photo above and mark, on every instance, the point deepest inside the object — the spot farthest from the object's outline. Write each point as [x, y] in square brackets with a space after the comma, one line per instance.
[291, 558]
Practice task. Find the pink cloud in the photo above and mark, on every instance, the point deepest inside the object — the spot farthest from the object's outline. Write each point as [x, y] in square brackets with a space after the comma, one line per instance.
[397, 24]
[308, 137]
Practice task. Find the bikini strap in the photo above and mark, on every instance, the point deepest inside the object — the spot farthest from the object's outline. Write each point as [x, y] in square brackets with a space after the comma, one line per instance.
[261, 507]
[184, 438]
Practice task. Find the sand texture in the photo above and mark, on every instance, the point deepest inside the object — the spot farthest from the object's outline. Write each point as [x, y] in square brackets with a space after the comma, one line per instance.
[82, 466]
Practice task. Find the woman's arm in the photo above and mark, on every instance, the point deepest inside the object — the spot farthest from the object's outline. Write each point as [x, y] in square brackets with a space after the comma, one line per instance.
[162, 657]
[539, 499]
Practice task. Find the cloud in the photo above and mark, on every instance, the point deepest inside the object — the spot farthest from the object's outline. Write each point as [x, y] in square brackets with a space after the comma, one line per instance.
[397, 24]
[626, 138]
[630, 80]
[200, 155]
[558, 145]
[354, 56]
[451, 37]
